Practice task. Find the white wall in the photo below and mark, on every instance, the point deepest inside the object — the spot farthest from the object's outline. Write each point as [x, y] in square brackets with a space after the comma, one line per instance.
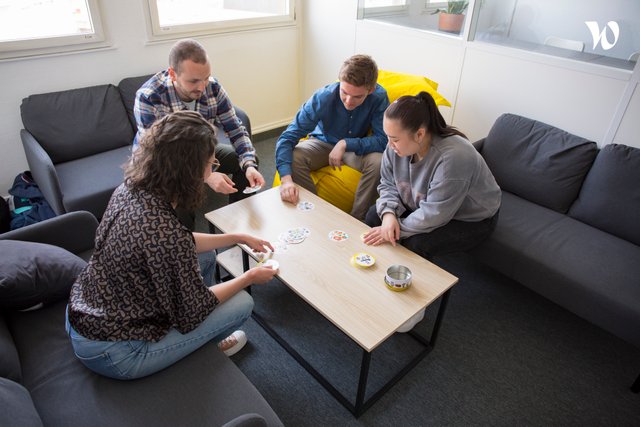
[327, 30]
[259, 70]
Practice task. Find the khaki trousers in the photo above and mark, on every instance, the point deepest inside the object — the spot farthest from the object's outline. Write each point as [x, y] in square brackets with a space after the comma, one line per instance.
[313, 154]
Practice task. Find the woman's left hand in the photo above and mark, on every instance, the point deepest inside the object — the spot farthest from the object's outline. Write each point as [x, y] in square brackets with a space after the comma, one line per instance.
[256, 244]
[373, 237]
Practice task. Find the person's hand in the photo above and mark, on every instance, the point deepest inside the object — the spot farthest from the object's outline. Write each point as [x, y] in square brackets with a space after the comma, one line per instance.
[389, 231]
[256, 244]
[221, 183]
[288, 190]
[373, 237]
[336, 154]
[390, 228]
[260, 274]
[254, 177]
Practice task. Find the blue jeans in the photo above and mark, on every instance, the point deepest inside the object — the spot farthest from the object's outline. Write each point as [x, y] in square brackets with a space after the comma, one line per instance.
[207, 262]
[126, 360]
[455, 236]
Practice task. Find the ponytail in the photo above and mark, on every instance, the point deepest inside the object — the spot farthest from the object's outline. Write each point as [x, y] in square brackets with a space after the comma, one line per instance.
[418, 111]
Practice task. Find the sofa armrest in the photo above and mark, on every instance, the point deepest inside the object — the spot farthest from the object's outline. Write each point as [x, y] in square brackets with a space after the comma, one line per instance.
[479, 144]
[247, 420]
[244, 119]
[43, 171]
[73, 231]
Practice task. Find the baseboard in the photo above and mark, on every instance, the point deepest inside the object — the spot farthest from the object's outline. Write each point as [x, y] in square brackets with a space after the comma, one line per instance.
[270, 126]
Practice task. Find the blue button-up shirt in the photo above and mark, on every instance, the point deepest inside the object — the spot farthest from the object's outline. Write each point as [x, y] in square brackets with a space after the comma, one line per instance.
[324, 117]
[158, 97]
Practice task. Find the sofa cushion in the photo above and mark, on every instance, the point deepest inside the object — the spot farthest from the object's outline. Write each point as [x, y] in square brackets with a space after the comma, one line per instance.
[34, 273]
[204, 388]
[77, 123]
[128, 88]
[610, 196]
[9, 361]
[89, 182]
[588, 271]
[536, 161]
[17, 406]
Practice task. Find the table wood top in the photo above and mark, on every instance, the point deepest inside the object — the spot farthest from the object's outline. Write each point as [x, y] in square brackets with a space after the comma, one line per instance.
[319, 270]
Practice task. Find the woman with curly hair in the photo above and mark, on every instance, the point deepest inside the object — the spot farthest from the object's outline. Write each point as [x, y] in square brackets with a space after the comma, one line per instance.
[141, 304]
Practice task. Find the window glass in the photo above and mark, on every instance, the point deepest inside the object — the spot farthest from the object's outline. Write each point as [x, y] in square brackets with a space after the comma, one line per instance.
[38, 24]
[184, 16]
[606, 33]
[431, 15]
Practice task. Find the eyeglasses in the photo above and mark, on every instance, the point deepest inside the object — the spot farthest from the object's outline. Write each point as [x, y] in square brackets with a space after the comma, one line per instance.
[215, 165]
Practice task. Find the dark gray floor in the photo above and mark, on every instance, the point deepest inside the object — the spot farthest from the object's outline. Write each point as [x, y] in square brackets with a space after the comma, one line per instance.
[505, 356]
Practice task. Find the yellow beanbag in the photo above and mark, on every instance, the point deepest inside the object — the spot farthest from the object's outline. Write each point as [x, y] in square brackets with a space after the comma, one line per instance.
[399, 84]
[335, 186]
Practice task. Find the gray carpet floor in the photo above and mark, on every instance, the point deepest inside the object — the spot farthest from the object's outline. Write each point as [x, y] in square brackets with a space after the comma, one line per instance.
[505, 356]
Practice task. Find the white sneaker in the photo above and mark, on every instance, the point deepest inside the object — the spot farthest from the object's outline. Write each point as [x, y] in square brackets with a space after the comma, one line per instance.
[233, 343]
[413, 321]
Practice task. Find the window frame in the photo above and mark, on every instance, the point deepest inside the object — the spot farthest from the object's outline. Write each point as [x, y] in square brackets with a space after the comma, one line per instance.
[157, 32]
[59, 44]
[374, 11]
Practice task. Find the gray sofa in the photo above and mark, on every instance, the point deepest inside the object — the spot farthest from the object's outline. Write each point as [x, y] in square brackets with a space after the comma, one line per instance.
[41, 381]
[569, 225]
[77, 140]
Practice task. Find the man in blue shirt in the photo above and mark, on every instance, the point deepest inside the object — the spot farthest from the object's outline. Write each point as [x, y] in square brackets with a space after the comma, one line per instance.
[344, 123]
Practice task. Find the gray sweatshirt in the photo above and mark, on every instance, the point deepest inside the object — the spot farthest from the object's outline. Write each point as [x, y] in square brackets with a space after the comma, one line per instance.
[451, 182]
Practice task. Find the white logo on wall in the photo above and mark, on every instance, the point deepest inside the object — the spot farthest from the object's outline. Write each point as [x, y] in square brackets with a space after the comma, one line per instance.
[601, 36]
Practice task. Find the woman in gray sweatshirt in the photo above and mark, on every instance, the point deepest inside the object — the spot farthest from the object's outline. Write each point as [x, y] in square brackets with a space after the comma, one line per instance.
[437, 195]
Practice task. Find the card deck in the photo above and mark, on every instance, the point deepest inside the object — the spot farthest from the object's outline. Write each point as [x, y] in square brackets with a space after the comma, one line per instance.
[253, 189]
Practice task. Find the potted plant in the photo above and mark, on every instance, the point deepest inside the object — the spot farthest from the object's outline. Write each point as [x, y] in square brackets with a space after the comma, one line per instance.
[452, 18]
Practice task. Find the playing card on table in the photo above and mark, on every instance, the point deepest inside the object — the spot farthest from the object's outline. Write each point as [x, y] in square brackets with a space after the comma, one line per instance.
[305, 206]
[280, 247]
[338, 235]
[295, 235]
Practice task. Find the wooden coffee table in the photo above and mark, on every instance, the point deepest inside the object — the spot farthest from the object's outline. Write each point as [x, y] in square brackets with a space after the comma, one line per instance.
[320, 272]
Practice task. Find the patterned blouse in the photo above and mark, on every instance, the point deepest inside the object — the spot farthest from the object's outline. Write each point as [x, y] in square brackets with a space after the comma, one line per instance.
[143, 278]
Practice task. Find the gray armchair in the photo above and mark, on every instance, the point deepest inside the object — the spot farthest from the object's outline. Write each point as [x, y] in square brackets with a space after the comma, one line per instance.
[75, 142]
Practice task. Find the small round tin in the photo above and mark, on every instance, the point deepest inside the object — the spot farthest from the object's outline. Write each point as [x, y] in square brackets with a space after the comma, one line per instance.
[398, 278]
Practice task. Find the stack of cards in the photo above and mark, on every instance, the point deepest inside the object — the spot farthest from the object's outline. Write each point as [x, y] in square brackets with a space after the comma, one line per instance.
[250, 190]
[363, 260]
[294, 235]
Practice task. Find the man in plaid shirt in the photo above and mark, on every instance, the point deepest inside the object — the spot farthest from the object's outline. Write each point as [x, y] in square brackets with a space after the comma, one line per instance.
[188, 84]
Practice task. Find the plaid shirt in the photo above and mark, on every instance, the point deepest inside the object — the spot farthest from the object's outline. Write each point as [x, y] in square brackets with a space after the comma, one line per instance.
[157, 98]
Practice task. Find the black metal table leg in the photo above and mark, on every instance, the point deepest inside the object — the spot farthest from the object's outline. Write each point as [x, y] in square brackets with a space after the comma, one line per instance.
[436, 326]
[362, 383]
[245, 261]
[636, 385]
